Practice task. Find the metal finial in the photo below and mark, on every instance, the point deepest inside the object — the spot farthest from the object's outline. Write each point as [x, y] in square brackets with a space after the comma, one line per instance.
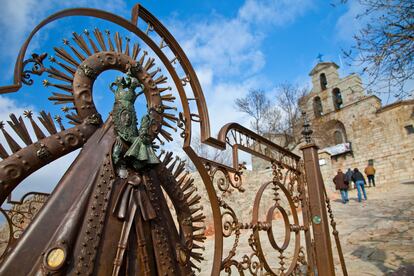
[307, 131]
[65, 109]
[28, 113]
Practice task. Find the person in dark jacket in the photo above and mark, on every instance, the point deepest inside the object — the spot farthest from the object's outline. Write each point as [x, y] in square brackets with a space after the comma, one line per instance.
[359, 180]
[341, 185]
[348, 177]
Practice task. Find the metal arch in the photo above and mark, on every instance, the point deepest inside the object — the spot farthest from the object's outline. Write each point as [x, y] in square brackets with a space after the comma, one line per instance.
[193, 82]
[114, 19]
[191, 78]
[275, 152]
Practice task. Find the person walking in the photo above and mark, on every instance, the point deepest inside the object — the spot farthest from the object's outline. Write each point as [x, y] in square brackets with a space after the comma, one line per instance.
[348, 177]
[341, 185]
[370, 173]
[359, 180]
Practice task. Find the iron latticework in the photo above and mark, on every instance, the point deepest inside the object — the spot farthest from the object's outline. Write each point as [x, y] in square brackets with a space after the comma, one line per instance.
[109, 214]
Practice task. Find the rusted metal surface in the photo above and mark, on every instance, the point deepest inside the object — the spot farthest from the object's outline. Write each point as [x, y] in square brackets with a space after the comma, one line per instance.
[102, 216]
[319, 217]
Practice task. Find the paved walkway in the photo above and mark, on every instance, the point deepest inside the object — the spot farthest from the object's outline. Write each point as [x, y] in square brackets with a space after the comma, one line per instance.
[377, 235]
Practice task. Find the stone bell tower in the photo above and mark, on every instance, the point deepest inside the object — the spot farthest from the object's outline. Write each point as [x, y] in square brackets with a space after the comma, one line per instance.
[330, 93]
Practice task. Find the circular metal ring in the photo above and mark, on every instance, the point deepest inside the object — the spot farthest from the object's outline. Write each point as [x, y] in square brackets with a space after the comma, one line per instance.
[269, 219]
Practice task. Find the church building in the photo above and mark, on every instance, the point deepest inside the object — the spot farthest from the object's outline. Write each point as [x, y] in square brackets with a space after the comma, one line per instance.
[353, 129]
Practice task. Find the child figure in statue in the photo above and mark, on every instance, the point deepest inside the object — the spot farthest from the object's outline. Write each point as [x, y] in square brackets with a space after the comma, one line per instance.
[140, 151]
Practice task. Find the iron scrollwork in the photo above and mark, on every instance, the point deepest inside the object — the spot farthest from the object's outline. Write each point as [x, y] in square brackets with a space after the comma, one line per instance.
[37, 68]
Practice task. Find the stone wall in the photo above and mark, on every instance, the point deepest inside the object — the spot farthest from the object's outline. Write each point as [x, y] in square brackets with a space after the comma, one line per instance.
[376, 134]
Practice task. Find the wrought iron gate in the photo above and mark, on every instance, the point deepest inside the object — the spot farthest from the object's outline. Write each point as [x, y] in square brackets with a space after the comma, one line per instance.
[287, 195]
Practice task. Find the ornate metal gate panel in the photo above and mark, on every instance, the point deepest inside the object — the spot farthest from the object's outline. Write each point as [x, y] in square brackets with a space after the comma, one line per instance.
[89, 207]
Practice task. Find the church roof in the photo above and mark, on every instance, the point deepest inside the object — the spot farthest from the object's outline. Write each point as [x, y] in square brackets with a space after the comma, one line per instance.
[322, 65]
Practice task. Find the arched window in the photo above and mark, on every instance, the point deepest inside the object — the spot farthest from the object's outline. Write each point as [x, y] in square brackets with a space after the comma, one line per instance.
[317, 107]
[324, 82]
[338, 137]
[337, 98]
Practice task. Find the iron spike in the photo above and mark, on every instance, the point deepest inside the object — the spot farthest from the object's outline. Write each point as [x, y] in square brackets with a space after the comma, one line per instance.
[67, 88]
[194, 266]
[171, 167]
[77, 53]
[118, 42]
[168, 98]
[166, 135]
[187, 184]
[164, 123]
[81, 43]
[95, 49]
[14, 146]
[196, 246]
[161, 79]
[149, 64]
[180, 169]
[47, 122]
[75, 119]
[127, 39]
[180, 181]
[20, 129]
[167, 158]
[162, 89]
[61, 98]
[195, 200]
[169, 107]
[161, 154]
[170, 117]
[58, 119]
[3, 152]
[141, 60]
[111, 45]
[199, 218]
[153, 73]
[69, 69]
[190, 193]
[199, 237]
[135, 51]
[100, 39]
[159, 140]
[60, 52]
[56, 74]
[197, 256]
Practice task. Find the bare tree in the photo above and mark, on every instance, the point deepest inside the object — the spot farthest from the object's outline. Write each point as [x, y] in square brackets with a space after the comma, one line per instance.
[256, 105]
[274, 117]
[288, 96]
[384, 47]
[272, 120]
[208, 152]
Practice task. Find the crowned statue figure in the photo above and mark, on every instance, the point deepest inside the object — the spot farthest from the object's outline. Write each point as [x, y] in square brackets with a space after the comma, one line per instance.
[111, 214]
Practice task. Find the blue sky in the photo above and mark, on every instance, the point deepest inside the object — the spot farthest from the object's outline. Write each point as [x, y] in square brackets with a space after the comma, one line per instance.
[233, 45]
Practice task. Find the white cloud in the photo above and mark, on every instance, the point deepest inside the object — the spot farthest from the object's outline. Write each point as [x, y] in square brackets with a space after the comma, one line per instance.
[19, 17]
[348, 25]
[226, 51]
[273, 12]
[44, 179]
[232, 46]
[227, 47]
